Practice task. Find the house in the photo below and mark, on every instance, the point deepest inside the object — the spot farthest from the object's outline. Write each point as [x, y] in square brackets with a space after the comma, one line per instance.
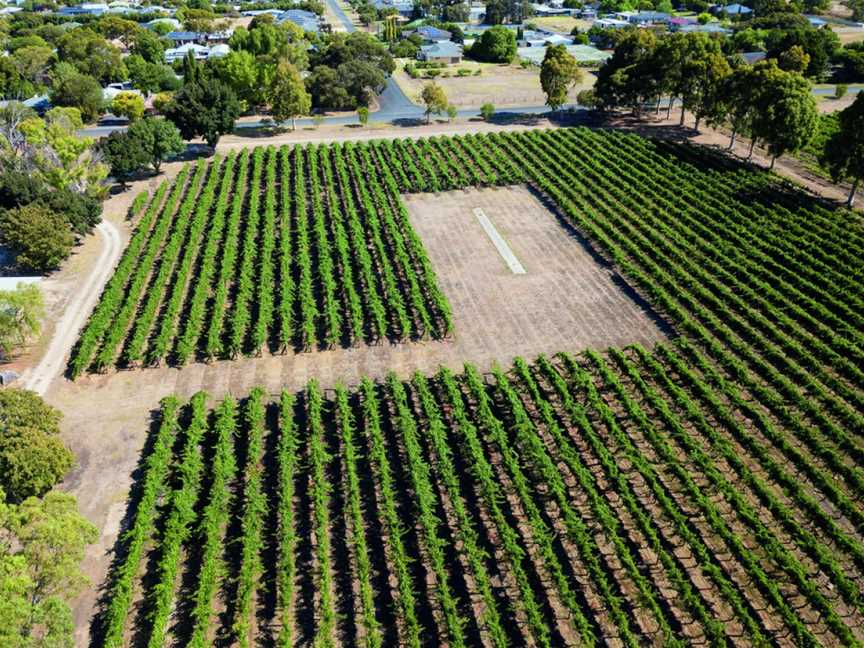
[644, 17]
[219, 50]
[179, 53]
[441, 52]
[86, 9]
[185, 37]
[708, 28]
[404, 8]
[548, 10]
[735, 10]
[5, 11]
[677, 23]
[816, 21]
[586, 13]
[306, 20]
[429, 34]
[611, 23]
[541, 38]
[260, 12]
[531, 38]
[753, 57]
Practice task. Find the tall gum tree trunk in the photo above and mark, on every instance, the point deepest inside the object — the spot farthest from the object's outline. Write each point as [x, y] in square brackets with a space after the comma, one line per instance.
[752, 146]
[732, 139]
[851, 200]
[669, 107]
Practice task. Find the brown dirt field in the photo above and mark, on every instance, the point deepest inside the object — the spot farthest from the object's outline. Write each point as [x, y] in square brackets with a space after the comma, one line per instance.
[566, 301]
[501, 85]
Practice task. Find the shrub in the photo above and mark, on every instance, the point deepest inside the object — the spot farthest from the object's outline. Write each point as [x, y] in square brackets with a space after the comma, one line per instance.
[40, 237]
[487, 110]
[32, 456]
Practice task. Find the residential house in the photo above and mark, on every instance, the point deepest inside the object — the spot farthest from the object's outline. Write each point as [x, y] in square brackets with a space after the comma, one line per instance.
[306, 20]
[429, 35]
[677, 23]
[185, 37]
[86, 9]
[441, 52]
[200, 52]
[708, 28]
[404, 8]
[611, 23]
[753, 57]
[734, 10]
[549, 10]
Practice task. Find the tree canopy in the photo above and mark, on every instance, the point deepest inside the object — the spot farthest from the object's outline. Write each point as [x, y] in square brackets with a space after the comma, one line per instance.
[39, 237]
[434, 99]
[844, 151]
[32, 456]
[495, 45]
[558, 73]
[204, 107]
[21, 311]
[42, 544]
[287, 94]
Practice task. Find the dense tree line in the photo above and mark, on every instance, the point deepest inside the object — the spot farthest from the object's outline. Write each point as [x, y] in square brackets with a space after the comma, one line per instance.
[43, 537]
[766, 102]
[50, 185]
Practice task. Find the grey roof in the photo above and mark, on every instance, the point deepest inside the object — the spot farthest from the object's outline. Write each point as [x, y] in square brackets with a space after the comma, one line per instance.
[442, 49]
[183, 36]
[753, 57]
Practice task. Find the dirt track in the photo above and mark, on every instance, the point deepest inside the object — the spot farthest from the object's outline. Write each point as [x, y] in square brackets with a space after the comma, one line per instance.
[76, 312]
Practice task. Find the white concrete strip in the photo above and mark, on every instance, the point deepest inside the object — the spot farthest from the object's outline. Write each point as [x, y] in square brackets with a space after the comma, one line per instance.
[76, 313]
[499, 242]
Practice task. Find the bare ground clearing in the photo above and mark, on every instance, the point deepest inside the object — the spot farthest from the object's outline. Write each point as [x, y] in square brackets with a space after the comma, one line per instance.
[565, 301]
[501, 85]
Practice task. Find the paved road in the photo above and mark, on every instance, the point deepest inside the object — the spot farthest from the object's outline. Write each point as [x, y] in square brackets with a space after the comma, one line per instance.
[75, 314]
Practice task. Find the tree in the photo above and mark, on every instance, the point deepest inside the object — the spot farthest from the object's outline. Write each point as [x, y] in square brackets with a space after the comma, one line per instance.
[60, 157]
[363, 115]
[587, 98]
[122, 153]
[786, 113]
[857, 7]
[288, 97]
[628, 78]
[558, 73]
[150, 77]
[158, 138]
[79, 91]
[452, 112]
[39, 237]
[92, 55]
[42, 544]
[435, 99]
[487, 111]
[844, 151]
[795, 59]
[129, 105]
[496, 45]
[21, 310]
[245, 75]
[32, 456]
[707, 98]
[204, 108]
[148, 46]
